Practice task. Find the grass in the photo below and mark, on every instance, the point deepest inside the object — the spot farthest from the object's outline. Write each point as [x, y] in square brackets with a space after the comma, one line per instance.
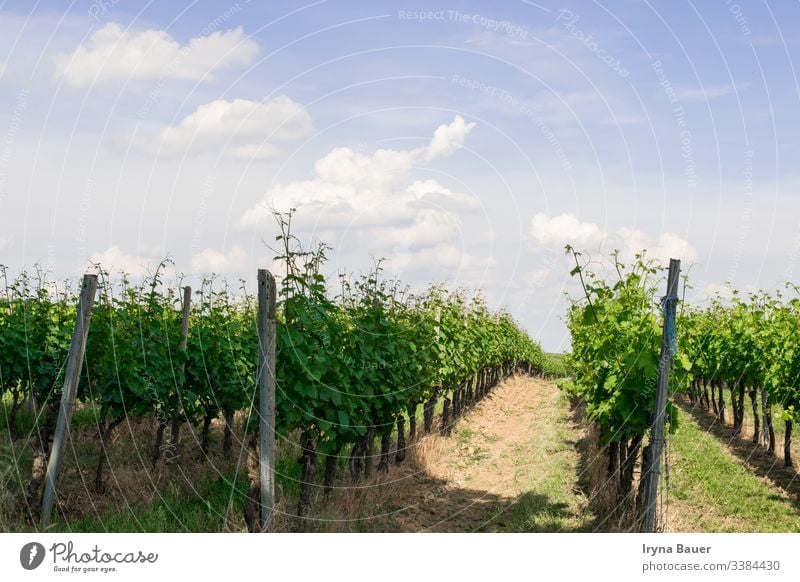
[559, 358]
[556, 364]
[778, 424]
[202, 510]
[551, 502]
[83, 415]
[464, 435]
[168, 501]
[711, 491]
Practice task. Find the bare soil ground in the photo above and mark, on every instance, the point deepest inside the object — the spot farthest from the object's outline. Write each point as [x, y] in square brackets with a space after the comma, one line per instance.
[511, 464]
[521, 460]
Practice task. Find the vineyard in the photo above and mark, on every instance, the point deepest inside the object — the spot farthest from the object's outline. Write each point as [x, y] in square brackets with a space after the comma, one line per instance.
[352, 367]
[367, 374]
[725, 351]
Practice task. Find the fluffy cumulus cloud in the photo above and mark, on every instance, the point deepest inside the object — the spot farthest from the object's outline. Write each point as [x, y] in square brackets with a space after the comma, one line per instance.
[212, 261]
[239, 129]
[444, 256]
[552, 233]
[431, 192]
[378, 185]
[448, 138]
[429, 227]
[667, 246]
[115, 260]
[410, 221]
[115, 53]
[145, 262]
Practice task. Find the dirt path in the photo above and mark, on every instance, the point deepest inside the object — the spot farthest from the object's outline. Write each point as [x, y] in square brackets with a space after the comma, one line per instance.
[510, 465]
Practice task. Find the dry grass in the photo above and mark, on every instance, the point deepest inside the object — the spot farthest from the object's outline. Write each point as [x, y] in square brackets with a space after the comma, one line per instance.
[130, 480]
[363, 506]
[602, 491]
[510, 465]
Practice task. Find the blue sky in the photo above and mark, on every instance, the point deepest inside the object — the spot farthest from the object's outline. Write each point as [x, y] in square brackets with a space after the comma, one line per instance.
[465, 141]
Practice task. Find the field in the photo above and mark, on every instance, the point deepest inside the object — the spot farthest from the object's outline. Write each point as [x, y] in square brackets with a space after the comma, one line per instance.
[393, 410]
[520, 461]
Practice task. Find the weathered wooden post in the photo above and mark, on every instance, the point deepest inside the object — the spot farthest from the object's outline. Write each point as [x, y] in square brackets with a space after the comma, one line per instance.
[652, 470]
[72, 377]
[179, 413]
[266, 392]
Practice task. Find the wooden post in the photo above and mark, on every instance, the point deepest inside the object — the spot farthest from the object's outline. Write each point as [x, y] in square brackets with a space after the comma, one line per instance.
[72, 377]
[178, 419]
[652, 470]
[266, 392]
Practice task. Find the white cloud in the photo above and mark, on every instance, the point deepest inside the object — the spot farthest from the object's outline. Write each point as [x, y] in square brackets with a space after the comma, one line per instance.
[2, 70]
[343, 166]
[553, 233]
[448, 138]
[374, 189]
[115, 260]
[548, 233]
[113, 53]
[241, 129]
[433, 193]
[358, 200]
[212, 261]
[445, 259]
[430, 227]
[3, 243]
[254, 151]
[668, 246]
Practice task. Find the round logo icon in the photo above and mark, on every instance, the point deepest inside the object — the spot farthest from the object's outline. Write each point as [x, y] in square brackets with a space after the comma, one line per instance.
[31, 555]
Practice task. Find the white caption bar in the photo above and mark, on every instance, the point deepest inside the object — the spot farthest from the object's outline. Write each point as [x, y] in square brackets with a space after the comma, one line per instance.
[349, 557]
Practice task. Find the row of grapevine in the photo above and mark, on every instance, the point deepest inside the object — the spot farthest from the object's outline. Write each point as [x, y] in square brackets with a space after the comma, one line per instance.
[616, 330]
[743, 347]
[748, 348]
[351, 366]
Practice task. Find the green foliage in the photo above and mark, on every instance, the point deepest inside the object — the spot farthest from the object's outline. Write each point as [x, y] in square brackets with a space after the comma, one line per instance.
[616, 342]
[221, 356]
[132, 353]
[375, 350]
[556, 365]
[36, 324]
[616, 335]
[345, 361]
[754, 341]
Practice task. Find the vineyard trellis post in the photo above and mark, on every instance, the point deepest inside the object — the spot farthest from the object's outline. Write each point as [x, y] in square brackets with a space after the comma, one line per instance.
[652, 471]
[72, 377]
[178, 420]
[266, 392]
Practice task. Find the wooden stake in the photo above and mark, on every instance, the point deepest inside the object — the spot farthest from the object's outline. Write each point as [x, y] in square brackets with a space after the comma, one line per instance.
[72, 377]
[178, 419]
[266, 392]
[653, 470]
